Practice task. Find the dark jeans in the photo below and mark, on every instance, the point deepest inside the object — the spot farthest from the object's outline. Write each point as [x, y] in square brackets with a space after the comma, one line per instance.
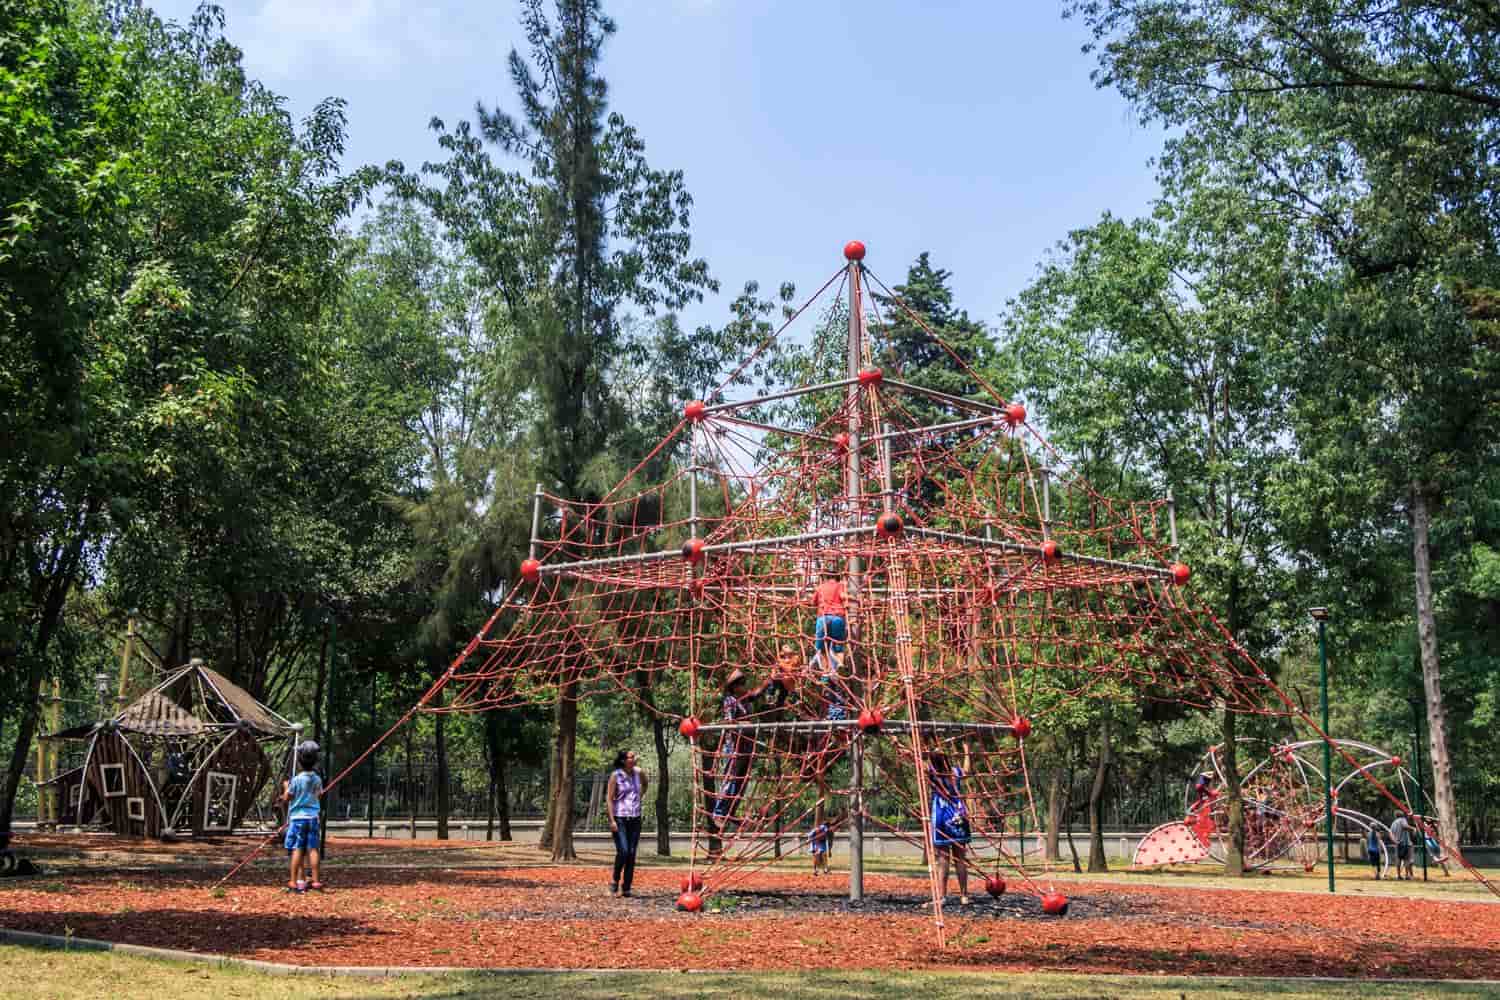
[627, 837]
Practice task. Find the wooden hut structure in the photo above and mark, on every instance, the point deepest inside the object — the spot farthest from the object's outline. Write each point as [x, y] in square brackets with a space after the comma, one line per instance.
[191, 754]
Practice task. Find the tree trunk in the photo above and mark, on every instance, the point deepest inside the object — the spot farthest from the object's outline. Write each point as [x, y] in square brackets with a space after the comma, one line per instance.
[502, 793]
[663, 816]
[1097, 860]
[561, 811]
[1054, 814]
[441, 746]
[1437, 726]
[1234, 841]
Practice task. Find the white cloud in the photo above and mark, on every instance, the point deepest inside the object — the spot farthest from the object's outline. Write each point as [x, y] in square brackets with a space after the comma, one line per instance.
[369, 39]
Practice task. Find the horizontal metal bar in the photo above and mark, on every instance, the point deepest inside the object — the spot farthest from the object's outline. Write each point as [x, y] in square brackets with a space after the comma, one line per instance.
[824, 725]
[784, 394]
[990, 420]
[1036, 550]
[750, 544]
[943, 396]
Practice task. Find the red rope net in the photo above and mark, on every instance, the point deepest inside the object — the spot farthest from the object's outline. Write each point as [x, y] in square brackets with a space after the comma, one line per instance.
[988, 590]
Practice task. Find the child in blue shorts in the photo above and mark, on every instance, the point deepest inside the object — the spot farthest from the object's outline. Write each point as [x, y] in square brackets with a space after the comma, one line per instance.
[303, 795]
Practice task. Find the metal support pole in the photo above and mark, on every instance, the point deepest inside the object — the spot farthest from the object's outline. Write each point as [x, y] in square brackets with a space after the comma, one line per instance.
[853, 487]
[327, 748]
[1172, 516]
[370, 785]
[536, 520]
[1046, 502]
[125, 662]
[1327, 746]
[1416, 748]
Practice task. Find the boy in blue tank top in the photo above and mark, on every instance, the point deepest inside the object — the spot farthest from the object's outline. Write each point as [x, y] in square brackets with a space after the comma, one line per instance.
[303, 796]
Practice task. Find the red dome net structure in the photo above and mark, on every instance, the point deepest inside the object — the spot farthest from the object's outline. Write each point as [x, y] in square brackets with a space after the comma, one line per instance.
[988, 588]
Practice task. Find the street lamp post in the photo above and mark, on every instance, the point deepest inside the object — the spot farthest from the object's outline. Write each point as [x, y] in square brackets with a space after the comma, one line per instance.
[1320, 615]
[1416, 750]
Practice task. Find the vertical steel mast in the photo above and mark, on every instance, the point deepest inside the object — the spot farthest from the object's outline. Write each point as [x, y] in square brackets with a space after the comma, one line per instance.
[854, 253]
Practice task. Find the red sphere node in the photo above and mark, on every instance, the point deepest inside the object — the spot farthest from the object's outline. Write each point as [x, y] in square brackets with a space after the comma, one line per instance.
[841, 441]
[1181, 573]
[692, 883]
[692, 550]
[690, 901]
[1021, 727]
[688, 727]
[1055, 903]
[870, 720]
[1051, 551]
[1015, 414]
[871, 376]
[696, 410]
[888, 525]
[1395, 761]
[995, 886]
[531, 570]
[854, 250]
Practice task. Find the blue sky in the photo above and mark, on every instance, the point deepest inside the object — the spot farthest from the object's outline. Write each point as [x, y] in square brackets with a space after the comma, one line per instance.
[969, 129]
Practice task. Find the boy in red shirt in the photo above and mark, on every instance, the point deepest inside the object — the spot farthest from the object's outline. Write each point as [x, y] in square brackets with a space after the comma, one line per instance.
[831, 628]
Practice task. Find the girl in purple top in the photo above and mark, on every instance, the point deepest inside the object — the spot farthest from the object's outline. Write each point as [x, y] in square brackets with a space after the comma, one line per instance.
[626, 791]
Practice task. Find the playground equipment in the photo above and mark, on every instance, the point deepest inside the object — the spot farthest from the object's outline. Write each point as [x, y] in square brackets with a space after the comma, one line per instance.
[1285, 823]
[989, 586]
[188, 755]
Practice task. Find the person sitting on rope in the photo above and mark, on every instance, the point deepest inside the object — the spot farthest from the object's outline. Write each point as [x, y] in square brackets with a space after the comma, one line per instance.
[736, 748]
[950, 821]
[1434, 849]
[784, 681]
[831, 628]
[1203, 791]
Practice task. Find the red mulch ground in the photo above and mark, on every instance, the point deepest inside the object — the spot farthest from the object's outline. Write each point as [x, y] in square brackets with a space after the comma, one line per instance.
[427, 914]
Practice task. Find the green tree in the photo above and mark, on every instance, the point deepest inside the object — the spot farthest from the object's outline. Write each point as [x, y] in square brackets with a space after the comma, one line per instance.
[168, 243]
[1367, 125]
[612, 230]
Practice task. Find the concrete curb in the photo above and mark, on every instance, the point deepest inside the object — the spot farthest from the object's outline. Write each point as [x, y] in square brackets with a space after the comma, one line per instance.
[36, 940]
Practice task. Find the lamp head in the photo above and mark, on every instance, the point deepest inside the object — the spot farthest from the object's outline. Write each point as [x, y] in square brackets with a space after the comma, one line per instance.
[1318, 614]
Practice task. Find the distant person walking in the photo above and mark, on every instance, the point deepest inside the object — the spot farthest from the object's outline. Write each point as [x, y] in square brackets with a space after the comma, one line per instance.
[1374, 850]
[1401, 835]
[626, 790]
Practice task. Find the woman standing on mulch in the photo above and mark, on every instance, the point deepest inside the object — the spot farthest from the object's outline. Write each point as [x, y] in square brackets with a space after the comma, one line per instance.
[627, 789]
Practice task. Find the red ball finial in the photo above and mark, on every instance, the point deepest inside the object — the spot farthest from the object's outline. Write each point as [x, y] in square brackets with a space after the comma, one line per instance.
[1051, 551]
[1181, 573]
[1015, 414]
[1396, 761]
[854, 250]
[688, 728]
[531, 570]
[870, 376]
[696, 410]
[841, 441]
[692, 550]
[1021, 726]
[995, 886]
[692, 883]
[888, 525]
[1055, 903]
[690, 901]
[870, 720]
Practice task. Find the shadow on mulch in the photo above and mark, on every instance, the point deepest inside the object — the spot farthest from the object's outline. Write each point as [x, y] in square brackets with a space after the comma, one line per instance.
[220, 932]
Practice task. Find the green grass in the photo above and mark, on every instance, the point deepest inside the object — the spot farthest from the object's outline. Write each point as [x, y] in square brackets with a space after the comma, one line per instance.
[40, 972]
